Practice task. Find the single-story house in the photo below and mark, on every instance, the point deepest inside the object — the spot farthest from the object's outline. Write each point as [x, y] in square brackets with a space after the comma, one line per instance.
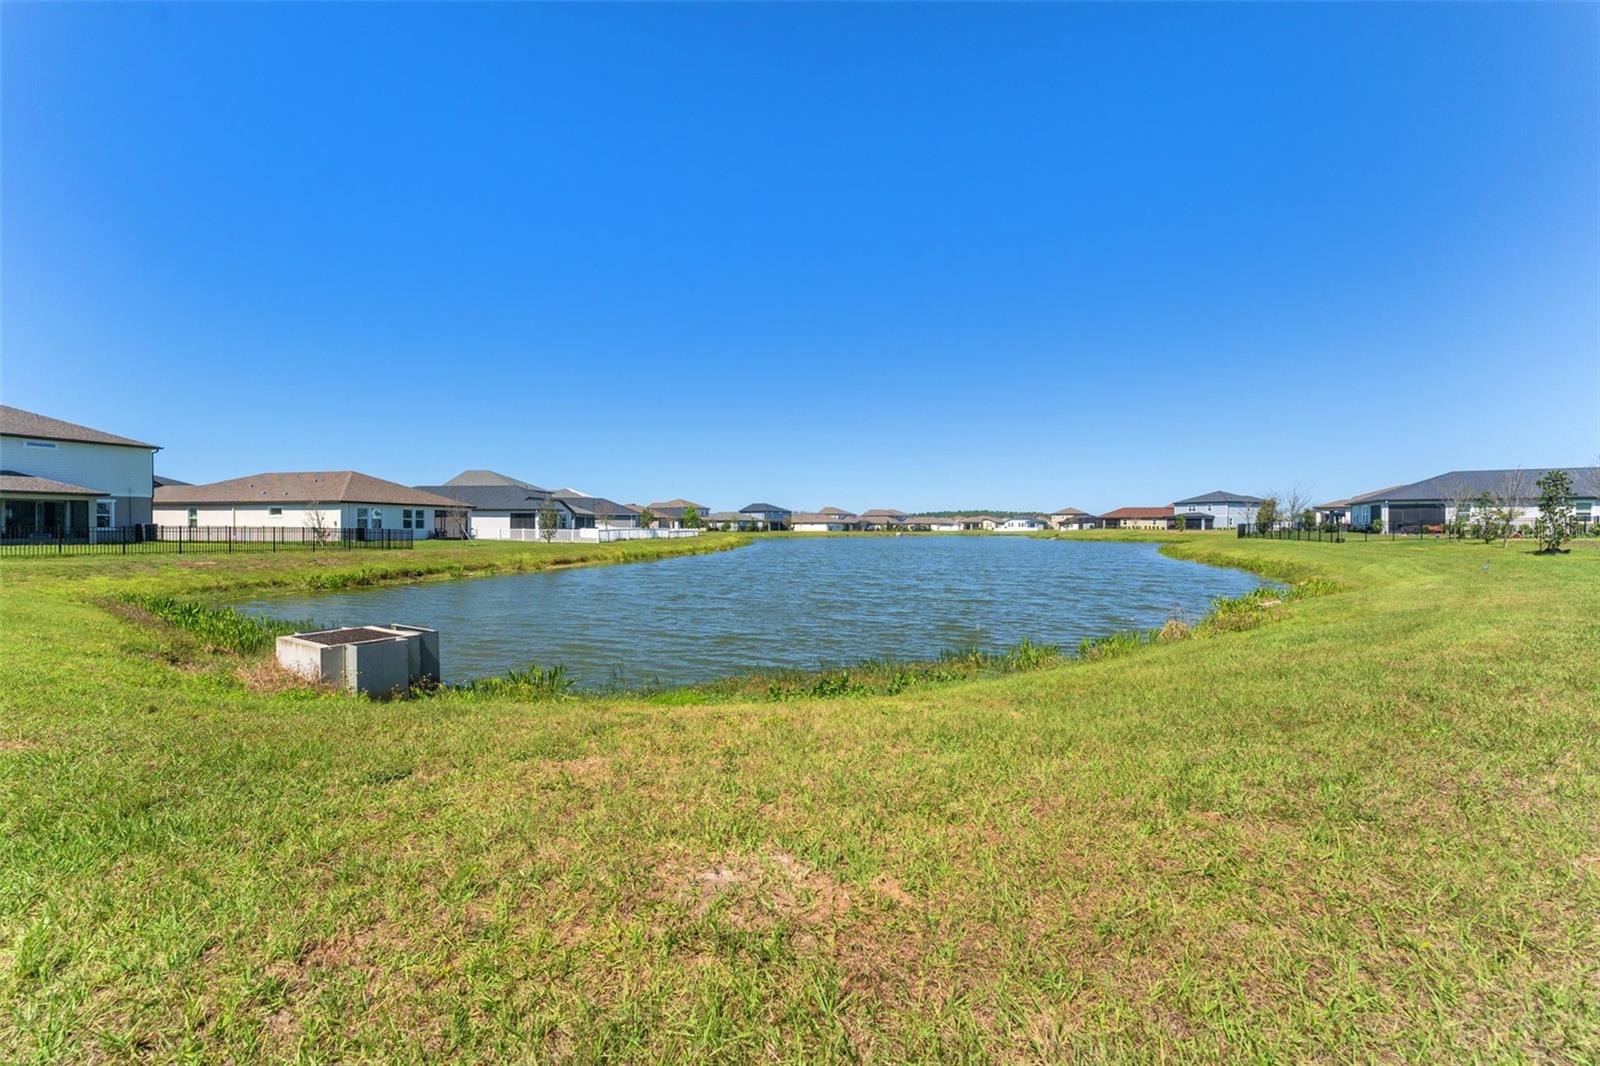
[940, 523]
[1026, 523]
[1072, 518]
[726, 520]
[882, 518]
[1226, 509]
[597, 512]
[61, 480]
[496, 504]
[1138, 518]
[985, 522]
[669, 513]
[766, 516]
[818, 522]
[1434, 501]
[331, 500]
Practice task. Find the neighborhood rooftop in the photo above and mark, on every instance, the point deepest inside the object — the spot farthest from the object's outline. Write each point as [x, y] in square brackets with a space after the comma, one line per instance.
[491, 497]
[16, 422]
[333, 486]
[1462, 484]
[1219, 496]
[11, 481]
[486, 478]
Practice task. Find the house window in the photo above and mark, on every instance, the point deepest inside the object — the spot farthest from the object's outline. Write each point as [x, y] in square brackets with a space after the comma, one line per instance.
[377, 518]
[40, 444]
[102, 514]
[275, 511]
[405, 519]
[361, 518]
[194, 517]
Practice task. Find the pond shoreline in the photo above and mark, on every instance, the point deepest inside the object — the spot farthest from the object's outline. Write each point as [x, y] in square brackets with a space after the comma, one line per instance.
[790, 606]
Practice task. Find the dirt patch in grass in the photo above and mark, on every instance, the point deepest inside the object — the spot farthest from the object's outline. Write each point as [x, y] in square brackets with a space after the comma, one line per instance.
[757, 891]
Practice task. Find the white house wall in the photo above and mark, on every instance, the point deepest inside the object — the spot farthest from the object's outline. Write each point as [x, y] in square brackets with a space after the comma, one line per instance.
[1228, 515]
[292, 516]
[123, 473]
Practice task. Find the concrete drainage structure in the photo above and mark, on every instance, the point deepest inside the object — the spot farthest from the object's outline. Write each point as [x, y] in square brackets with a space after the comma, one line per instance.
[376, 660]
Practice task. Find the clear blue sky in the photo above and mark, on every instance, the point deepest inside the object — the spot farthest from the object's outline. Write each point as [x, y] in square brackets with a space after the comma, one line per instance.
[921, 257]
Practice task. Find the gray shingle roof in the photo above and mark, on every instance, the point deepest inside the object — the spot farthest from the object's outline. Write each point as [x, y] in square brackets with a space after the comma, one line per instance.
[484, 478]
[1469, 483]
[16, 422]
[598, 506]
[492, 497]
[332, 486]
[11, 481]
[1218, 496]
[159, 481]
[762, 507]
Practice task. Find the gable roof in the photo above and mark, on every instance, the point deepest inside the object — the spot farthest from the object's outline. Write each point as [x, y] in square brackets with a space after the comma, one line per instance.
[676, 505]
[1069, 511]
[492, 497]
[1585, 483]
[11, 481]
[332, 486]
[767, 507]
[883, 512]
[835, 510]
[597, 506]
[1219, 496]
[1139, 512]
[15, 422]
[480, 478]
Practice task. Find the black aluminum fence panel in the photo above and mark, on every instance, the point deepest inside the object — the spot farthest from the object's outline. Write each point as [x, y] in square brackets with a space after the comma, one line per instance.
[1403, 528]
[185, 540]
[1331, 535]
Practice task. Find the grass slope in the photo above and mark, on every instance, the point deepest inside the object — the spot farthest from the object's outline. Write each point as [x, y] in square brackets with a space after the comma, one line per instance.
[1369, 828]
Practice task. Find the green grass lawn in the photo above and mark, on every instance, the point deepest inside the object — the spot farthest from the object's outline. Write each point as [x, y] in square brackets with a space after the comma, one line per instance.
[1355, 826]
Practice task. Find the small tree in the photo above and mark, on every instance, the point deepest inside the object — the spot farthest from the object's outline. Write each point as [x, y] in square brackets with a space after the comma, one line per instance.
[647, 518]
[1180, 522]
[1308, 518]
[1508, 498]
[1295, 503]
[691, 517]
[1484, 526]
[1457, 499]
[1558, 519]
[318, 522]
[1267, 513]
[549, 521]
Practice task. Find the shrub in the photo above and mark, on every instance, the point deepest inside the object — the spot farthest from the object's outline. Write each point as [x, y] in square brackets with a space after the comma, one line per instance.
[534, 683]
[221, 628]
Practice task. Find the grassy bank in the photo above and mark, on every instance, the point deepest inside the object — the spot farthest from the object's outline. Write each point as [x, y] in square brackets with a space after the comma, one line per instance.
[1368, 827]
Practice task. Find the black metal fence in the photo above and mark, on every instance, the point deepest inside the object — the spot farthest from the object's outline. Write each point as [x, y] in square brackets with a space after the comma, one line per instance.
[185, 540]
[1330, 534]
[1583, 527]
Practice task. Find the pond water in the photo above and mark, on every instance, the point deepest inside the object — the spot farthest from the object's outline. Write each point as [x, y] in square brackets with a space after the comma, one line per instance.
[797, 602]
